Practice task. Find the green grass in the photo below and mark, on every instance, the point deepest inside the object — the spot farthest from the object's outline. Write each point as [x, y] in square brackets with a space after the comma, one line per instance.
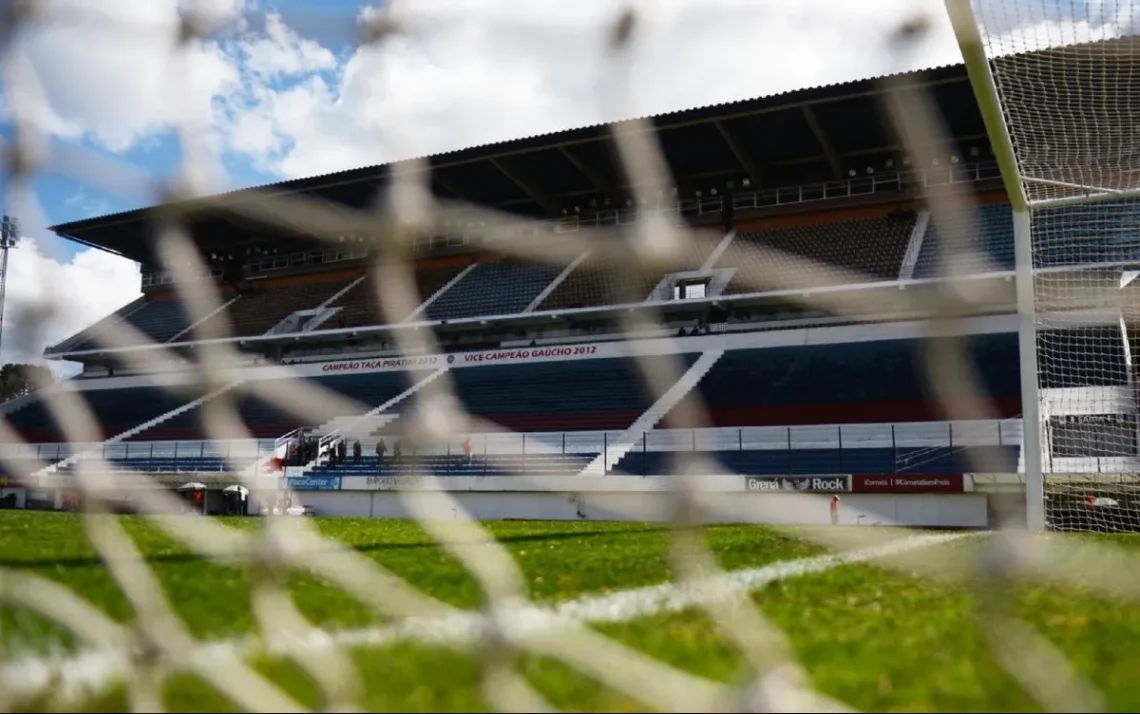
[877, 640]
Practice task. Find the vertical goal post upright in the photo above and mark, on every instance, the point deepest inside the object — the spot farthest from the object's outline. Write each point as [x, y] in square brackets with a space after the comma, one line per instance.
[985, 90]
[1056, 85]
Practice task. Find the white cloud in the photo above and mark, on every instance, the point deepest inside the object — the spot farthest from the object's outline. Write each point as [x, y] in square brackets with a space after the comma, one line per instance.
[49, 299]
[107, 67]
[474, 72]
[471, 72]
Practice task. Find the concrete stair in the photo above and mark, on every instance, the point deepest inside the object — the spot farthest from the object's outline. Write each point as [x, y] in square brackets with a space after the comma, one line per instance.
[358, 426]
[621, 446]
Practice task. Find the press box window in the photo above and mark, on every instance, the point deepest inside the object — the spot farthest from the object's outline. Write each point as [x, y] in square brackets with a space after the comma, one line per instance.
[690, 290]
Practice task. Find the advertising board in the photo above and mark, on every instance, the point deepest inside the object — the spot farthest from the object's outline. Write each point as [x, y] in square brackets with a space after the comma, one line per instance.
[835, 483]
[314, 483]
[379, 483]
[902, 483]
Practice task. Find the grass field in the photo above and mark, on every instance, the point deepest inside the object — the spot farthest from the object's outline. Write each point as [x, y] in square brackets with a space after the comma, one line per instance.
[874, 639]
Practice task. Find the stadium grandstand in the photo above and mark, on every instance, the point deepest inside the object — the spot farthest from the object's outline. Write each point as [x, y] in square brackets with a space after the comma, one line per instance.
[537, 348]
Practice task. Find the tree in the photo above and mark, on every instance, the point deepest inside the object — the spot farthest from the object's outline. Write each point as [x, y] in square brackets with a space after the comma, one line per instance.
[16, 380]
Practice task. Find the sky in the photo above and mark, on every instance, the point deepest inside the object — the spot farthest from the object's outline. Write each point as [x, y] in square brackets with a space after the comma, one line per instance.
[282, 91]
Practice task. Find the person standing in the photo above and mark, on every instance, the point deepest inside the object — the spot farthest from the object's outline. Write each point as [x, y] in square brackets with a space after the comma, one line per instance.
[467, 449]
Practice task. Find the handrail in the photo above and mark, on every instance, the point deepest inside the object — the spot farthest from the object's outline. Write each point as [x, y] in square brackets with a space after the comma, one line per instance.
[916, 437]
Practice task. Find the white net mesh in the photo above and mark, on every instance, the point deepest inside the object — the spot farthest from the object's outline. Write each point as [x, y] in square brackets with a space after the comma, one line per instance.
[294, 646]
[1066, 73]
[1066, 77]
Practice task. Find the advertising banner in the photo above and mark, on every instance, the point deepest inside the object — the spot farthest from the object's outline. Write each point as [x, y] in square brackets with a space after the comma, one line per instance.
[900, 483]
[378, 483]
[836, 483]
[523, 355]
[314, 483]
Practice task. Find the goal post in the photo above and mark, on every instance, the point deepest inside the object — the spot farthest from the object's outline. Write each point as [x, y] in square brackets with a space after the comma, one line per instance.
[969, 37]
[1057, 86]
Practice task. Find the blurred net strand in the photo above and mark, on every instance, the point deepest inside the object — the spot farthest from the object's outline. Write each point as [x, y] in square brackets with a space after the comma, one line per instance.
[405, 208]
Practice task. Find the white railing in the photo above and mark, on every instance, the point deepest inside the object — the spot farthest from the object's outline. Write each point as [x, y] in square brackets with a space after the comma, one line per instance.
[918, 435]
[238, 449]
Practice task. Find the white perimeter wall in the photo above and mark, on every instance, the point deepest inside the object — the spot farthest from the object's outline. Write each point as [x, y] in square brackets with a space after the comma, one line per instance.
[966, 510]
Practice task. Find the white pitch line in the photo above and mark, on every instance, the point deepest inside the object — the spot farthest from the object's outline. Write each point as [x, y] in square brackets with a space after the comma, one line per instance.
[93, 670]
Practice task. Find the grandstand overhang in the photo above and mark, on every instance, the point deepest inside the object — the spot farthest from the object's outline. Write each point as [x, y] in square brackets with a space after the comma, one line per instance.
[748, 310]
[806, 136]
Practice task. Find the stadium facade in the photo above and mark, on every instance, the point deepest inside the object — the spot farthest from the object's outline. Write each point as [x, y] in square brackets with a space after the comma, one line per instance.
[798, 399]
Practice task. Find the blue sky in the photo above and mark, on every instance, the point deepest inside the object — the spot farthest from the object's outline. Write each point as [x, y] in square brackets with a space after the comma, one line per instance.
[284, 92]
[63, 199]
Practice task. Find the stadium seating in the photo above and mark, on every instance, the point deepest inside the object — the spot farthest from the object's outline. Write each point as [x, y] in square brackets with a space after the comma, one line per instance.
[1074, 235]
[1102, 362]
[265, 421]
[157, 320]
[359, 306]
[267, 304]
[779, 462]
[987, 228]
[1087, 233]
[596, 282]
[579, 395]
[854, 383]
[872, 247]
[172, 464]
[500, 288]
[116, 410]
[459, 465]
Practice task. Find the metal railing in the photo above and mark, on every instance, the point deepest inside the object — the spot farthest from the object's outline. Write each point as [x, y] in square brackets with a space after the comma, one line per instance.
[913, 439]
[356, 247]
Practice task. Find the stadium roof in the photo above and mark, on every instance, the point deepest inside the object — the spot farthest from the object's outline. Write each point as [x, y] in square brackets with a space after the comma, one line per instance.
[798, 137]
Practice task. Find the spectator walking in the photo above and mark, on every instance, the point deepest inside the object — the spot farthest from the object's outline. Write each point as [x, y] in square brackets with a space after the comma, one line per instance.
[381, 449]
[356, 451]
[398, 449]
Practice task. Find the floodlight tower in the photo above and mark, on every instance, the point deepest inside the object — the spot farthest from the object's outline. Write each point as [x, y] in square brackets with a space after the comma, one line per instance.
[9, 236]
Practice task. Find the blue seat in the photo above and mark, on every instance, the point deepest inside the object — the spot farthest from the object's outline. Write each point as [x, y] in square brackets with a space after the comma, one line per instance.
[573, 395]
[157, 320]
[987, 229]
[115, 411]
[458, 465]
[503, 288]
[840, 244]
[863, 382]
[266, 421]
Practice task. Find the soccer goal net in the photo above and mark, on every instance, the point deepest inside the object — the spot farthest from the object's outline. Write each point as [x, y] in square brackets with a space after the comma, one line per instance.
[1058, 85]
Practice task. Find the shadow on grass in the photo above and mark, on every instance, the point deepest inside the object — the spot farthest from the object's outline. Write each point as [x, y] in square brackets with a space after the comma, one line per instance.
[82, 561]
